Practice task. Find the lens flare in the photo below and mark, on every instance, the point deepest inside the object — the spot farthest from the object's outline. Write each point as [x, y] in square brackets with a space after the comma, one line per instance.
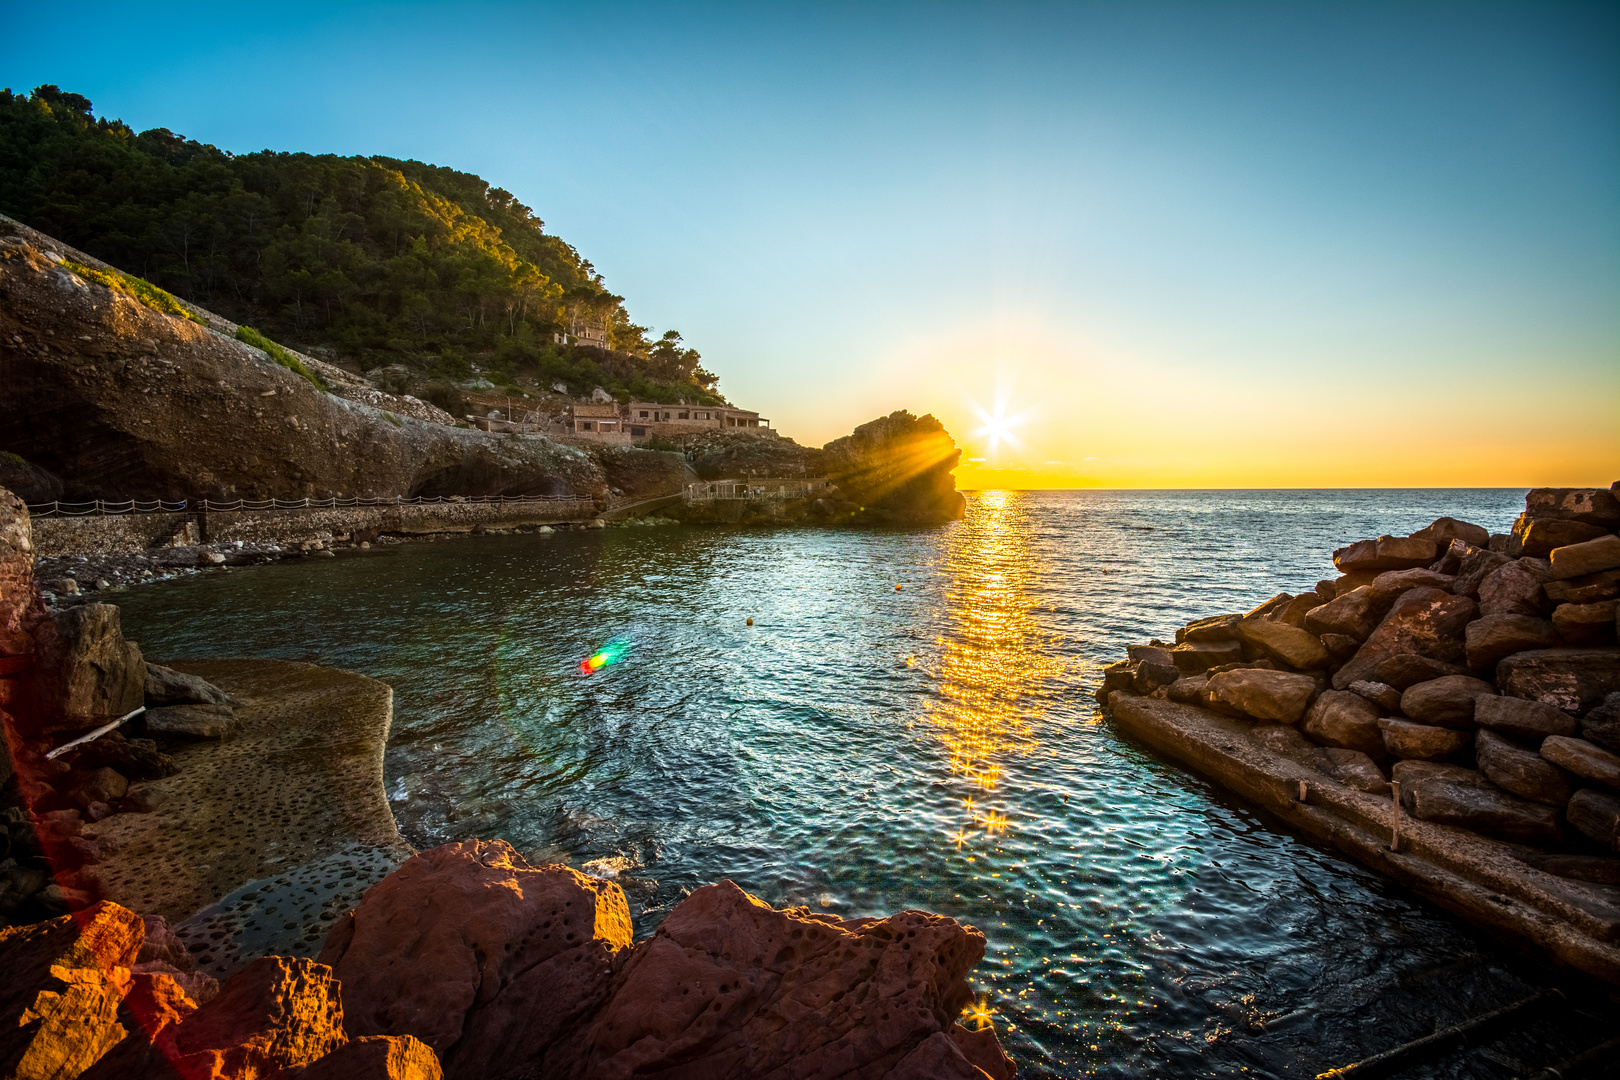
[611, 653]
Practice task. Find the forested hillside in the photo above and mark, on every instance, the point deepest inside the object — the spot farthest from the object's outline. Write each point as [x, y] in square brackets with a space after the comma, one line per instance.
[385, 262]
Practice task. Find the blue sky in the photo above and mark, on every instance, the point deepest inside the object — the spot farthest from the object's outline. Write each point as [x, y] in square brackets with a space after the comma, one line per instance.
[1376, 234]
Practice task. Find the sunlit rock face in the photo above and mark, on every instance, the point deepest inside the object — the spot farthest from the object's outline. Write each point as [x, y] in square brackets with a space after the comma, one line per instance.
[899, 469]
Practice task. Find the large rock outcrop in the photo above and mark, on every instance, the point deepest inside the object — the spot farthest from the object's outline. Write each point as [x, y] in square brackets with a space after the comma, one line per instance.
[898, 468]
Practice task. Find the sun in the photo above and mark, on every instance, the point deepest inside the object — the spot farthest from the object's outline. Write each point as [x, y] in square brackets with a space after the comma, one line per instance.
[996, 426]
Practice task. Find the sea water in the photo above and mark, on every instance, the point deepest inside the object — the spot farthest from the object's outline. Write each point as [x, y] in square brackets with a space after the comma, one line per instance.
[908, 722]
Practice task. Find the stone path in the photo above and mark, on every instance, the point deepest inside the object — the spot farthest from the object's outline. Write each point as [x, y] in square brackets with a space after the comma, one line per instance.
[262, 841]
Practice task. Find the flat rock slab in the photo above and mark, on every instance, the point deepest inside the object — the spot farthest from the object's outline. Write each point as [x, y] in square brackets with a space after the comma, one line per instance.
[260, 842]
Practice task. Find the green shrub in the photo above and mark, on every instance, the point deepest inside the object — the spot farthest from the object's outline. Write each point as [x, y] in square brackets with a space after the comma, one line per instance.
[141, 289]
[8, 458]
[252, 337]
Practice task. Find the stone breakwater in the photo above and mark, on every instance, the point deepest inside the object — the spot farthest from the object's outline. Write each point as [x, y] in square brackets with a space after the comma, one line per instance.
[1446, 710]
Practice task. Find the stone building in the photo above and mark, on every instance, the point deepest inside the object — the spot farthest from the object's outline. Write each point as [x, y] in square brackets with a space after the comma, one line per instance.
[645, 419]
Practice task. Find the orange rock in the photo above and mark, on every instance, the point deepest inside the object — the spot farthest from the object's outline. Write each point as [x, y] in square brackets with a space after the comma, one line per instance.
[468, 928]
[278, 1012]
[63, 983]
[377, 1057]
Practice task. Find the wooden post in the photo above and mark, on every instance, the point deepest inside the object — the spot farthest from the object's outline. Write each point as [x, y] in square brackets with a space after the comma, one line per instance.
[1301, 783]
[1395, 831]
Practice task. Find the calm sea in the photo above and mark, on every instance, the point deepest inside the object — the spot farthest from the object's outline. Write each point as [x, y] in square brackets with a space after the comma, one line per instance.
[908, 723]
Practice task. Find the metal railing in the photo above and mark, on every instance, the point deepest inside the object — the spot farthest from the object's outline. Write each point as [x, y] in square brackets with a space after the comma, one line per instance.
[136, 506]
[760, 488]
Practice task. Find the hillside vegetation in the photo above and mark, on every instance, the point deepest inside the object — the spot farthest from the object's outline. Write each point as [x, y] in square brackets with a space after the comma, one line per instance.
[385, 262]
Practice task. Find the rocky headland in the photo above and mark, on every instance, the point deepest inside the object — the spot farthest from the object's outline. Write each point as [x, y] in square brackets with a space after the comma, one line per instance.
[1446, 710]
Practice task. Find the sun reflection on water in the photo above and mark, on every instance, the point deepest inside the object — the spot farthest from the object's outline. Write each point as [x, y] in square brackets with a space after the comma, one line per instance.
[995, 658]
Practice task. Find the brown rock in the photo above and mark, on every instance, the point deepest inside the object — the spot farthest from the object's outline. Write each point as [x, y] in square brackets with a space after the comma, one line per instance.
[1447, 701]
[377, 1057]
[1408, 669]
[1286, 741]
[1582, 758]
[1214, 629]
[1510, 589]
[1149, 677]
[1584, 590]
[1491, 637]
[1474, 568]
[165, 686]
[104, 785]
[1522, 718]
[1409, 774]
[1391, 583]
[1595, 506]
[1602, 724]
[780, 993]
[983, 1052]
[278, 1012]
[1592, 557]
[1426, 622]
[1582, 624]
[84, 671]
[1350, 582]
[1149, 654]
[16, 575]
[1339, 718]
[1573, 680]
[1354, 769]
[1405, 739]
[1193, 657]
[1522, 772]
[1271, 607]
[1354, 614]
[455, 929]
[192, 721]
[1537, 537]
[1294, 612]
[61, 985]
[937, 1057]
[1283, 643]
[1446, 529]
[1597, 814]
[1340, 647]
[1263, 695]
[1484, 809]
[1188, 691]
[1380, 694]
[1386, 553]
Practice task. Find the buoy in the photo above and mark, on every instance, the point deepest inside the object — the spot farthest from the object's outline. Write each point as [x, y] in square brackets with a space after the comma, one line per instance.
[750, 622]
[897, 588]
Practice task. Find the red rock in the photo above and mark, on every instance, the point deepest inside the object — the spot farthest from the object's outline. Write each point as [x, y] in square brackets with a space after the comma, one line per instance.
[1490, 638]
[156, 1002]
[1474, 568]
[983, 1051]
[459, 927]
[1424, 621]
[61, 985]
[938, 1057]
[1355, 614]
[377, 1057]
[730, 987]
[278, 1012]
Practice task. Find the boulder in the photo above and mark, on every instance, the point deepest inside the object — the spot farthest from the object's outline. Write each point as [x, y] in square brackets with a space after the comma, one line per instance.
[1405, 739]
[1597, 814]
[1193, 657]
[1188, 691]
[1602, 724]
[779, 993]
[1340, 647]
[1582, 758]
[1474, 568]
[1511, 589]
[1444, 530]
[1283, 643]
[1582, 624]
[1391, 583]
[192, 721]
[16, 575]
[1595, 506]
[1522, 772]
[1263, 695]
[1592, 557]
[156, 1002]
[1150, 654]
[468, 937]
[103, 785]
[1572, 679]
[1351, 582]
[1408, 669]
[1354, 769]
[1217, 628]
[1270, 608]
[1409, 774]
[165, 686]
[377, 1057]
[1522, 718]
[1423, 621]
[1354, 614]
[1483, 808]
[63, 983]
[1538, 537]
[1149, 677]
[1383, 695]
[1491, 637]
[277, 1012]
[1587, 589]
[1447, 701]
[1386, 553]
[1293, 613]
[1339, 718]
[84, 671]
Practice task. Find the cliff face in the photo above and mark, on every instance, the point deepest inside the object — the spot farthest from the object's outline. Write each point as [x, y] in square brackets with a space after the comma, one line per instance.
[120, 401]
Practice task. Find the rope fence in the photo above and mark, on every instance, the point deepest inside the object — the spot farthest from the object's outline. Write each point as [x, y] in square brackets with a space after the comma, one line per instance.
[159, 506]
